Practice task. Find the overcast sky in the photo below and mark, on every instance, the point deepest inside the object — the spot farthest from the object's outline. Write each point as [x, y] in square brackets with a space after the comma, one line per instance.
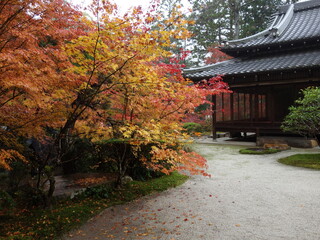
[123, 5]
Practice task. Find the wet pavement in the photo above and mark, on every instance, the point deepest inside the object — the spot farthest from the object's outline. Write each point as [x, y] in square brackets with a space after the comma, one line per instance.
[247, 197]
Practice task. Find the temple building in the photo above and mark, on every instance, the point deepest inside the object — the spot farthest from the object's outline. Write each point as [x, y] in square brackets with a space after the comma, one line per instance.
[267, 71]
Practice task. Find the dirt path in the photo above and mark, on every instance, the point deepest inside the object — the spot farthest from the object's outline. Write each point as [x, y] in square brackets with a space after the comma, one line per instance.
[248, 197]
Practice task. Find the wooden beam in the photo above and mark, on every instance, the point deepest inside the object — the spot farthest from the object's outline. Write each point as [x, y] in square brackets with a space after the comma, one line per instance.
[268, 83]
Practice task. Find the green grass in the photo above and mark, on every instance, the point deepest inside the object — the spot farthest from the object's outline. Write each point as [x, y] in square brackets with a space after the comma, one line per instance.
[258, 151]
[66, 215]
[303, 160]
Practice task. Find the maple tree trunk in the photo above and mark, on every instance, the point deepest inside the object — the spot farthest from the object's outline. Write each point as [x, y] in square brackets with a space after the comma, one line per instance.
[122, 167]
[54, 157]
[41, 184]
[48, 197]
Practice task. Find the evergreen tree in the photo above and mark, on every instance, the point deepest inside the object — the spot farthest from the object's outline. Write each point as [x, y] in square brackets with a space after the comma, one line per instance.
[255, 15]
[216, 21]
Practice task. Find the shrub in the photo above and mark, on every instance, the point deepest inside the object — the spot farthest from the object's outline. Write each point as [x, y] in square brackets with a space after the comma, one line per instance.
[80, 157]
[17, 175]
[304, 116]
[110, 150]
[192, 127]
[6, 201]
[85, 156]
[139, 172]
[97, 192]
[30, 196]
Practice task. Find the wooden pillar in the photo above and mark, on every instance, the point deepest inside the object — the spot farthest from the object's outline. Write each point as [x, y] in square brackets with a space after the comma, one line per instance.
[272, 110]
[256, 105]
[214, 116]
[231, 107]
[244, 106]
[260, 106]
[251, 107]
[223, 107]
[238, 106]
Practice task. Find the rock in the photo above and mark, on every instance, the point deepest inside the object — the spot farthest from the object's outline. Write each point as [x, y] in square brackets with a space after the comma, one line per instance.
[278, 146]
[126, 179]
[78, 192]
[298, 142]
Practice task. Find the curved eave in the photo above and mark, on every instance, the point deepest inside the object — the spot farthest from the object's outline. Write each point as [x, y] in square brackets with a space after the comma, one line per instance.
[297, 44]
[284, 62]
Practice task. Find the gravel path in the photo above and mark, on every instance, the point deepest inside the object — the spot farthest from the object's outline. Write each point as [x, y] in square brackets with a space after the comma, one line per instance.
[248, 197]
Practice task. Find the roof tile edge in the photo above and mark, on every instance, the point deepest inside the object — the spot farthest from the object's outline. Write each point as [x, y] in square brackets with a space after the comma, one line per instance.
[278, 30]
[196, 69]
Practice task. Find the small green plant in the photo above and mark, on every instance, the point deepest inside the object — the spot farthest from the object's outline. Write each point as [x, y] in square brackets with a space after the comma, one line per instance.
[29, 196]
[192, 127]
[302, 160]
[97, 192]
[18, 173]
[258, 151]
[6, 201]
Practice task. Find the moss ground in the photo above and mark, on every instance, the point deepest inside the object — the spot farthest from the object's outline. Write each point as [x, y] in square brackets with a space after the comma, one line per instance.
[37, 223]
[303, 160]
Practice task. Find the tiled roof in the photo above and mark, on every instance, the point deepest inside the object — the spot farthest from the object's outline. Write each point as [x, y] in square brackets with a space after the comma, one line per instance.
[300, 21]
[295, 25]
[285, 61]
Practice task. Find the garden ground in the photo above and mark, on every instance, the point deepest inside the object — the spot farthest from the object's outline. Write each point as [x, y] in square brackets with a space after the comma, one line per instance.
[247, 197]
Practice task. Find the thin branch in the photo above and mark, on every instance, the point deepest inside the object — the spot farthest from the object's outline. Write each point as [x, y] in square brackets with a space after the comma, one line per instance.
[172, 112]
[3, 5]
[10, 19]
[11, 98]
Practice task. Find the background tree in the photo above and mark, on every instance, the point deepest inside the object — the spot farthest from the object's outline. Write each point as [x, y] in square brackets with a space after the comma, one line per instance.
[256, 15]
[168, 10]
[218, 21]
[304, 116]
[211, 26]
